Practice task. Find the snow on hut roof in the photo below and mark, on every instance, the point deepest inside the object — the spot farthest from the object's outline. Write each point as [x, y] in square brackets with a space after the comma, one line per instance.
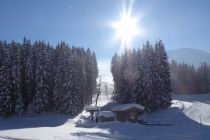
[91, 108]
[106, 114]
[124, 107]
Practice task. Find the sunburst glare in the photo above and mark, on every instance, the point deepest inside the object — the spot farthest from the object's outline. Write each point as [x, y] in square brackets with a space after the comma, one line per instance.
[126, 27]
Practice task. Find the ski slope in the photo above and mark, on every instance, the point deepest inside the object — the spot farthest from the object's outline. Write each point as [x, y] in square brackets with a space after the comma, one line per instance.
[188, 116]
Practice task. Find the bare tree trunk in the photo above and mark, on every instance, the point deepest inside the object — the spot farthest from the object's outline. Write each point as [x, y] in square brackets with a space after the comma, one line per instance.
[106, 90]
[98, 91]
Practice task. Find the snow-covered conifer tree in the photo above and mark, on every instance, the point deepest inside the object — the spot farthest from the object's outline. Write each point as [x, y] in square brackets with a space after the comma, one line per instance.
[89, 76]
[94, 75]
[164, 89]
[41, 99]
[62, 53]
[16, 77]
[204, 78]
[6, 96]
[27, 72]
[138, 93]
[149, 77]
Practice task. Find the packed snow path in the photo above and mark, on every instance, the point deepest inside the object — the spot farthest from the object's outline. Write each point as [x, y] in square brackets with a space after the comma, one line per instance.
[189, 116]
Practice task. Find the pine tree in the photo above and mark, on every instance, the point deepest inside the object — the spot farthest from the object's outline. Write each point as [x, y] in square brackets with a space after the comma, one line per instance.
[1, 53]
[149, 78]
[27, 72]
[62, 54]
[118, 68]
[82, 78]
[78, 54]
[164, 88]
[51, 69]
[138, 93]
[75, 87]
[89, 77]
[173, 73]
[6, 96]
[142, 77]
[115, 66]
[204, 74]
[95, 74]
[69, 81]
[41, 99]
[16, 77]
[186, 79]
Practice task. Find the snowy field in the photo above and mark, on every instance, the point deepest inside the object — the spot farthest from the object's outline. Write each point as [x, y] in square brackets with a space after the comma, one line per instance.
[187, 119]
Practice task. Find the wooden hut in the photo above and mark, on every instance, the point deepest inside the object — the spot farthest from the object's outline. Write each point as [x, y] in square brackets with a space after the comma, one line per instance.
[128, 112]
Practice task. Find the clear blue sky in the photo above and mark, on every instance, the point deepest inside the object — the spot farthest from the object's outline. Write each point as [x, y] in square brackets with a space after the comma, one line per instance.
[179, 23]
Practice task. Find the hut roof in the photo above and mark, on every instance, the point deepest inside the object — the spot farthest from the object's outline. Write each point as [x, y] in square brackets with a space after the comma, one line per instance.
[124, 107]
[91, 108]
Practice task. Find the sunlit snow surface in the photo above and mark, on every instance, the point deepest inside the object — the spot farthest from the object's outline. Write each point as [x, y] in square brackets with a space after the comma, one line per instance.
[189, 119]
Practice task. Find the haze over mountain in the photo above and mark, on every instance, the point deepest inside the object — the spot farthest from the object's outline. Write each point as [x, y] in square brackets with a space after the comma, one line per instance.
[189, 56]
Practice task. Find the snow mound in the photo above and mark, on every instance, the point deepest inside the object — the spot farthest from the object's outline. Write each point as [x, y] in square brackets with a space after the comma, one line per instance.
[199, 112]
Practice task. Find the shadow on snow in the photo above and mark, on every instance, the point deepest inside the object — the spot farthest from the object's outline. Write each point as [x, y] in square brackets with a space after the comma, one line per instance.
[42, 120]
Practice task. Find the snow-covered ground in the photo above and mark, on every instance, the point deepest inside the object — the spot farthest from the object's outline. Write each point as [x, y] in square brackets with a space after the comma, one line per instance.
[188, 118]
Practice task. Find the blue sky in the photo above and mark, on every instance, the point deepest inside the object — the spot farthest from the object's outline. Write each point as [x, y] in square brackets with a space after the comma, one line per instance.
[179, 23]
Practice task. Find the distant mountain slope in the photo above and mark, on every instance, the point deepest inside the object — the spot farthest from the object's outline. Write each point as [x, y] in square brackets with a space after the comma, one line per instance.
[189, 56]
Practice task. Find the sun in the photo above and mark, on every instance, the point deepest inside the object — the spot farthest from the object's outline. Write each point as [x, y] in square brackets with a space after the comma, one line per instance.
[126, 28]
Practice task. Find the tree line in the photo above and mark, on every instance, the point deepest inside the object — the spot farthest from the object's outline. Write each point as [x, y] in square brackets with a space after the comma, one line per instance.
[142, 76]
[39, 77]
[186, 79]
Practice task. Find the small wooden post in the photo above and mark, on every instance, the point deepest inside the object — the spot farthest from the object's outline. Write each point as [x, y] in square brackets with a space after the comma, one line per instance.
[97, 116]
